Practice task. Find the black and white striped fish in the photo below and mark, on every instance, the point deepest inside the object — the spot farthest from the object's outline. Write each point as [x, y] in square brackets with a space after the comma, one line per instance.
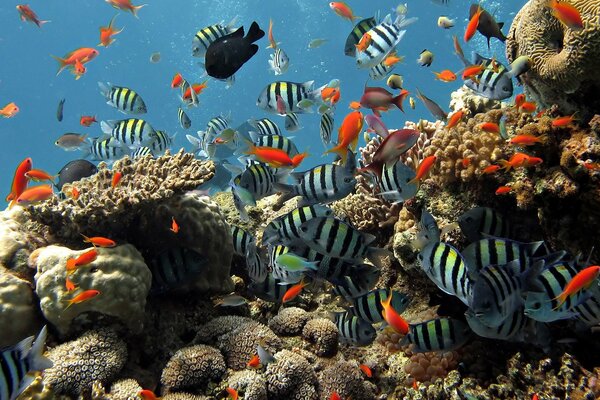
[123, 99]
[356, 34]
[440, 334]
[184, 121]
[361, 279]
[444, 265]
[292, 124]
[494, 82]
[588, 313]
[354, 330]
[380, 71]
[280, 273]
[275, 141]
[396, 182]
[283, 97]
[512, 329]
[279, 62]
[256, 266]
[104, 149]
[18, 362]
[265, 127]
[427, 230]
[205, 36]
[162, 143]
[326, 128]
[483, 220]
[259, 180]
[175, 268]
[243, 242]
[369, 308]
[141, 152]
[284, 229]
[269, 290]
[131, 132]
[216, 125]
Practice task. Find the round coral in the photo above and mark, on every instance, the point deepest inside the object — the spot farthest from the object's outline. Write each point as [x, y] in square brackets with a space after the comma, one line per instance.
[289, 321]
[323, 334]
[291, 377]
[347, 380]
[192, 367]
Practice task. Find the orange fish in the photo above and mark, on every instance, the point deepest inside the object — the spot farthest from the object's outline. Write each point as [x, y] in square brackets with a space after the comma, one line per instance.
[560, 122]
[445, 76]
[83, 54]
[348, 135]
[335, 396]
[99, 241]
[294, 291]
[364, 42]
[393, 319]
[329, 94]
[78, 69]
[454, 119]
[593, 166]
[19, 182]
[503, 190]
[276, 158]
[9, 110]
[27, 14]
[465, 162]
[528, 107]
[116, 178]
[472, 25]
[492, 169]
[489, 127]
[516, 160]
[174, 226]
[233, 394]
[392, 59]
[457, 49]
[343, 10]
[567, 14]
[583, 280]
[254, 361]
[87, 120]
[35, 194]
[424, 168]
[354, 105]
[415, 384]
[367, 371]
[272, 43]
[177, 81]
[107, 33]
[39, 175]
[535, 397]
[125, 5]
[472, 71]
[519, 100]
[198, 88]
[83, 296]
[83, 259]
[528, 140]
[75, 193]
[69, 285]
[147, 394]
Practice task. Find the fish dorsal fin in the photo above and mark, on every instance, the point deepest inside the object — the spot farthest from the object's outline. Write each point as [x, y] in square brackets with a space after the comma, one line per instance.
[477, 58]
[237, 33]
[500, 25]
[297, 176]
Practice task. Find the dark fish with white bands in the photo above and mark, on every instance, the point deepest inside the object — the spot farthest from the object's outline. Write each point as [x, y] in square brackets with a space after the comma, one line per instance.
[292, 124]
[395, 182]
[356, 34]
[205, 36]
[105, 149]
[511, 329]
[440, 334]
[265, 127]
[362, 279]
[256, 266]
[284, 229]
[243, 242]
[483, 220]
[132, 132]
[353, 329]
[369, 308]
[123, 99]
[269, 290]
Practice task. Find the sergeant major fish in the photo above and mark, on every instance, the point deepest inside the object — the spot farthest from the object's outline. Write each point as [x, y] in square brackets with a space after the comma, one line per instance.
[123, 99]
[205, 36]
[481, 221]
[353, 329]
[356, 34]
[396, 182]
[369, 308]
[279, 62]
[176, 268]
[494, 82]
[265, 127]
[440, 334]
[131, 132]
[289, 94]
[284, 229]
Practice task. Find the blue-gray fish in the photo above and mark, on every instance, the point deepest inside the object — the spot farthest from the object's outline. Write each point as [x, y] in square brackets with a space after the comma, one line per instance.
[107, 149]
[427, 230]
[511, 329]
[243, 242]
[588, 313]
[444, 265]
[380, 71]
[354, 330]
[269, 290]
[292, 124]
[369, 308]
[326, 127]
[256, 266]
[284, 229]
[205, 36]
[440, 334]
[283, 97]
[131, 132]
[184, 121]
[432, 106]
[175, 268]
[59, 110]
[480, 221]
[279, 61]
[18, 362]
[123, 99]
[360, 280]
[356, 34]
[494, 82]
[265, 127]
[396, 182]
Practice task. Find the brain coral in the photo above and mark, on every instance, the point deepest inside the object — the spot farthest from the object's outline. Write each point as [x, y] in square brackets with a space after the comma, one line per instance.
[97, 355]
[120, 275]
[564, 61]
[291, 377]
[193, 366]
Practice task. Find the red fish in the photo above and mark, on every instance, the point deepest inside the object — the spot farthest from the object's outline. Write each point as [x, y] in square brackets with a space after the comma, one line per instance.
[471, 71]
[87, 120]
[528, 107]
[454, 119]
[294, 291]
[354, 105]
[560, 122]
[174, 226]
[535, 397]
[198, 88]
[528, 140]
[276, 158]
[378, 99]
[592, 166]
[147, 394]
[27, 14]
[254, 361]
[116, 178]
[472, 25]
[520, 160]
[583, 280]
[367, 371]
[75, 193]
[393, 319]
[364, 42]
[335, 396]
[83, 259]
[69, 285]
[465, 162]
[9, 110]
[489, 127]
[107, 33]
[125, 5]
[503, 190]
[348, 135]
[424, 168]
[19, 182]
[83, 54]
[519, 100]
[492, 169]
[99, 241]
[82, 297]
[177, 81]
[343, 10]
[35, 194]
[39, 175]
[567, 14]
[233, 394]
[445, 76]
[331, 94]
[78, 69]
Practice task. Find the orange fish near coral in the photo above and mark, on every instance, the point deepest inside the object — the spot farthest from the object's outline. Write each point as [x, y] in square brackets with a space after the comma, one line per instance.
[465, 162]
[348, 135]
[83, 259]
[74, 193]
[364, 42]
[35, 194]
[454, 119]
[27, 14]
[19, 182]
[9, 110]
[492, 169]
[83, 54]
[528, 107]
[423, 169]
[174, 226]
[116, 178]
[276, 158]
[592, 166]
[394, 319]
[567, 14]
[233, 394]
[471, 71]
[125, 5]
[519, 160]
[99, 241]
[177, 81]
[254, 361]
[472, 25]
[366, 370]
[198, 88]
[69, 285]
[83, 297]
[445, 76]
[489, 127]
[147, 394]
[503, 190]
[343, 10]
[107, 33]
[38, 175]
[527, 140]
[519, 100]
[335, 396]
[560, 122]
[87, 120]
[294, 291]
[583, 280]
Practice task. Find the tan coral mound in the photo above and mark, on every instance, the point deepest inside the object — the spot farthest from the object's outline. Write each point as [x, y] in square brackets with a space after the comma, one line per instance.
[564, 61]
[192, 367]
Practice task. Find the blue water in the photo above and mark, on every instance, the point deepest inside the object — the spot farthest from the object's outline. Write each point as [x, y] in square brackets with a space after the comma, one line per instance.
[28, 73]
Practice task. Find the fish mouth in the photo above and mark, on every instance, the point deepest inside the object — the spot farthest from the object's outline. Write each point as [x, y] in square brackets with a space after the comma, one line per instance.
[479, 314]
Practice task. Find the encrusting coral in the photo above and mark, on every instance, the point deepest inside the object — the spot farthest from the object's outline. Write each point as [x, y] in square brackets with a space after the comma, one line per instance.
[193, 367]
[323, 334]
[291, 377]
[250, 383]
[289, 321]
[347, 380]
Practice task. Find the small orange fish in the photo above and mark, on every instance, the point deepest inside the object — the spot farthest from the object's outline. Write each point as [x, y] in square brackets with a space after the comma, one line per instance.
[492, 169]
[116, 178]
[99, 241]
[275, 157]
[454, 119]
[19, 182]
[367, 371]
[567, 14]
[35, 194]
[87, 120]
[392, 59]
[423, 168]
[527, 140]
[518, 160]
[75, 193]
[233, 394]
[415, 384]
[82, 297]
[107, 33]
[83, 259]
[198, 88]
[472, 71]
[457, 49]
[560, 122]
[354, 105]
[78, 69]
[329, 94]
[583, 280]
[254, 361]
[83, 55]
[535, 397]
[489, 127]
[174, 226]
[393, 319]
[465, 162]
[335, 396]
[472, 25]
[343, 10]
[69, 285]
[177, 81]
[294, 291]
[445, 76]
[272, 43]
[38, 175]
[519, 100]
[593, 166]
[528, 107]
[348, 135]
[364, 42]
[27, 14]
[503, 190]
[125, 5]
[9, 110]
[147, 394]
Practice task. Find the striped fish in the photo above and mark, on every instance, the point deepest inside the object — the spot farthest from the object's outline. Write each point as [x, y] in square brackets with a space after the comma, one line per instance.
[440, 334]
[589, 311]
[279, 62]
[269, 290]
[356, 34]
[380, 71]
[427, 230]
[175, 268]
[483, 220]
[123, 99]
[444, 265]
[205, 36]
[511, 329]
[289, 95]
[384, 39]
[259, 180]
[284, 229]
[141, 152]
[243, 242]
[256, 266]
[361, 279]
[162, 143]
[18, 362]
[326, 127]
[216, 125]
[277, 271]
[265, 127]
[184, 121]
[292, 124]
[104, 149]
[368, 306]
[354, 330]
[494, 82]
[131, 132]
[395, 182]
[275, 141]
[323, 184]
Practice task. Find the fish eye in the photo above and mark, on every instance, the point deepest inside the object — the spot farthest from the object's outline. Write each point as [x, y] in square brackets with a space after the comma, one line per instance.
[469, 219]
[536, 305]
[348, 179]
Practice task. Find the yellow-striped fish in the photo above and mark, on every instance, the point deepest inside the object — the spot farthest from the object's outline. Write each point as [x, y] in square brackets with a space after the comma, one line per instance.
[123, 99]
[283, 97]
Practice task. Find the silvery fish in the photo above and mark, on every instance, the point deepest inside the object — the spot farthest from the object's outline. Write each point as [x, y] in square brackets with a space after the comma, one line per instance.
[353, 329]
[279, 62]
[123, 99]
[132, 132]
[326, 127]
[284, 229]
[256, 267]
[283, 97]
[432, 106]
[243, 242]
[494, 82]
[265, 127]
[396, 182]
[108, 149]
[357, 283]
[440, 334]
[483, 220]
[511, 329]
[292, 124]
[380, 71]
[205, 36]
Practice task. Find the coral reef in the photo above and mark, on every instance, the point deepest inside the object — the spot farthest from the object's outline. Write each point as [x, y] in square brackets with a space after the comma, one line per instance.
[95, 356]
[125, 389]
[367, 212]
[323, 334]
[250, 383]
[467, 100]
[192, 367]
[346, 379]
[291, 377]
[289, 321]
[120, 275]
[564, 60]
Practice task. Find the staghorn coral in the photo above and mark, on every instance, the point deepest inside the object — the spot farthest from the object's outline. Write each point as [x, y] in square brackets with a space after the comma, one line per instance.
[291, 377]
[323, 334]
[192, 367]
[347, 380]
[289, 321]
[120, 275]
[564, 61]
[250, 383]
[96, 355]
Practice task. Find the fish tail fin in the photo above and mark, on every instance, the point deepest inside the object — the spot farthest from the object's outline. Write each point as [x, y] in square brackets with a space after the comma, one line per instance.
[62, 64]
[254, 33]
[135, 9]
[104, 89]
[505, 165]
[40, 23]
[340, 151]
[397, 101]
[37, 361]
[297, 159]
